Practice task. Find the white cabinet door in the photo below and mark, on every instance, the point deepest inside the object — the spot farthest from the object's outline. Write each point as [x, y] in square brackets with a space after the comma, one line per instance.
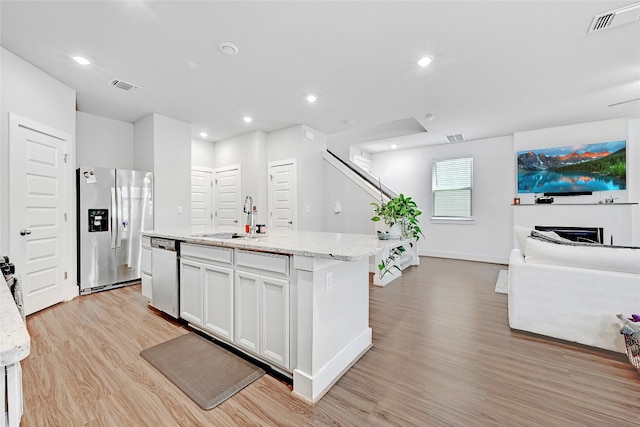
[274, 320]
[145, 272]
[247, 308]
[191, 291]
[218, 300]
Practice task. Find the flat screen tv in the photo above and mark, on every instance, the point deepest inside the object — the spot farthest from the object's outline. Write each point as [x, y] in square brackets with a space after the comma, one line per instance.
[573, 170]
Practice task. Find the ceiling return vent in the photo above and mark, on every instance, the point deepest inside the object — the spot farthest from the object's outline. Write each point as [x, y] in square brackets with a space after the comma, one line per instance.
[615, 17]
[458, 137]
[120, 84]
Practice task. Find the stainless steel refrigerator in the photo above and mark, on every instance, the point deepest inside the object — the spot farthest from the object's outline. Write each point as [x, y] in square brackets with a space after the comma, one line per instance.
[114, 206]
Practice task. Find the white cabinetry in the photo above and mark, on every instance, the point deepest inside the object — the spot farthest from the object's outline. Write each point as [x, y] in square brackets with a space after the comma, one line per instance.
[247, 310]
[191, 307]
[206, 288]
[274, 320]
[145, 267]
[239, 296]
[262, 305]
[218, 301]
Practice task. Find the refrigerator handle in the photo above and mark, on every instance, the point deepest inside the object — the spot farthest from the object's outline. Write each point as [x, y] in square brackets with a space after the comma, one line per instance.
[113, 223]
[120, 218]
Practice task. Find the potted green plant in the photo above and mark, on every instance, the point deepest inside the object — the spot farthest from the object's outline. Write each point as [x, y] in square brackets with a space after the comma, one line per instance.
[404, 212]
[400, 210]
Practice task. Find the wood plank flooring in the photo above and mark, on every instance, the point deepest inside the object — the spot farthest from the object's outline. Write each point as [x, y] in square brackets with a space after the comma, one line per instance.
[443, 355]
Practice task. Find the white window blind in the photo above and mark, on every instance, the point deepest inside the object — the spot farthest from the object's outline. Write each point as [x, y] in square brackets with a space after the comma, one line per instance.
[451, 185]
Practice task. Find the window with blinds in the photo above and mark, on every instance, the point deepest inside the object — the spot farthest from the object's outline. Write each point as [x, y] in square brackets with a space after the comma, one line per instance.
[451, 187]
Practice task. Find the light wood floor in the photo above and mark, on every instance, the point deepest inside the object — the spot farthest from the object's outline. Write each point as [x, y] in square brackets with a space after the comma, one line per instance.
[443, 355]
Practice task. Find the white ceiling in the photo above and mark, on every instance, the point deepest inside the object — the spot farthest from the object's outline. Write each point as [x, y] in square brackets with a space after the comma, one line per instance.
[499, 67]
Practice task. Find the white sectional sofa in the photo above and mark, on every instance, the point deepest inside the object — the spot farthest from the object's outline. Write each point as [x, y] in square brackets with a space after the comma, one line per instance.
[572, 291]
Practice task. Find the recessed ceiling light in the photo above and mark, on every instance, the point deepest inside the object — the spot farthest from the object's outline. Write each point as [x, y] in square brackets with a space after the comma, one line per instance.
[312, 98]
[204, 134]
[424, 61]
[394, 146]
[349, 122]
[247, 119]
[81, 60]
[429, 117]
[228, 48]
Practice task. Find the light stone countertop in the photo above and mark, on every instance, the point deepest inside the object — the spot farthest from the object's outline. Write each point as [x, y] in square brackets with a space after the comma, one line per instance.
[338, 246]
[15, 343]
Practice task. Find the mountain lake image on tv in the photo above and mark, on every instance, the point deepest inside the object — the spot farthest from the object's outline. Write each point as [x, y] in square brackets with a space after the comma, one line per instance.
[577, 169]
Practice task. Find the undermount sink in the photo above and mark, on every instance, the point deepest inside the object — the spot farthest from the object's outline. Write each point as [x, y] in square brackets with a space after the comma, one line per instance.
[220, 235]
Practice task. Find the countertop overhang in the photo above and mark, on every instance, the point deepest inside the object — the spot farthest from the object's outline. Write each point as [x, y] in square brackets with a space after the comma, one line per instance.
[337, 246]
[15, 342]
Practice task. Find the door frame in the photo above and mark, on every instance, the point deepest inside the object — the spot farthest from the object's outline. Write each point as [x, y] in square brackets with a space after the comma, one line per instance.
[294, 163]
[68, 236]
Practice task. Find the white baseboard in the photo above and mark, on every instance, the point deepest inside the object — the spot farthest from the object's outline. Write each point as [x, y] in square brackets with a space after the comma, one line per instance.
[465, 256]
[312, 388]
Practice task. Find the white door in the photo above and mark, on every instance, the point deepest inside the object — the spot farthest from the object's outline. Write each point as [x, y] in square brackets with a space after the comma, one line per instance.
[37, 217]
[282, 195]
[201, 199]
[226, 197]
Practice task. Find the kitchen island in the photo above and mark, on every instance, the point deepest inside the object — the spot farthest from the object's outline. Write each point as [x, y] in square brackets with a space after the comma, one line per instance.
[296, 300]
[15, 345]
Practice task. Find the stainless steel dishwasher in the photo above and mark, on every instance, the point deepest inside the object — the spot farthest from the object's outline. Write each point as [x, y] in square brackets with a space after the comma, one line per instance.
[164, 272]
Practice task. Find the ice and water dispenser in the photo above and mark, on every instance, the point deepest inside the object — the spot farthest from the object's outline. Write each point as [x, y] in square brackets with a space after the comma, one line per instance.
[98, 220]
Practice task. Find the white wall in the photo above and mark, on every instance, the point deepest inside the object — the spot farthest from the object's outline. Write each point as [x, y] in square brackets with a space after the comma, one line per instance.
[620, 222]
[248, 151]
[307, 146]
[583, 133]
[253, 151]
[202, 153]
[489, 236]
[103, 142]
[29, 92]
[356, 213]
[143, 138]
[166, 142]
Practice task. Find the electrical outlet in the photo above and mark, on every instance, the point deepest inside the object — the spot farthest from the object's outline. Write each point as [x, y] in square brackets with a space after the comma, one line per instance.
[179, 209]
[328, 281]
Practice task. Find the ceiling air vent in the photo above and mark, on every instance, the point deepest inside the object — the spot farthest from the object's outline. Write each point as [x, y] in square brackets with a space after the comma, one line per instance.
[455, 138]
[615, 17]
[120, 84]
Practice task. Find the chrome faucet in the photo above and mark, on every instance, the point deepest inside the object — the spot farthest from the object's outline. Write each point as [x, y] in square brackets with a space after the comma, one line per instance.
[251, 221]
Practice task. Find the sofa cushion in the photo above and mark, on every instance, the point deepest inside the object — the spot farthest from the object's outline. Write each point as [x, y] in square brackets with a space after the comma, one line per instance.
[521, 234]
[541, 249]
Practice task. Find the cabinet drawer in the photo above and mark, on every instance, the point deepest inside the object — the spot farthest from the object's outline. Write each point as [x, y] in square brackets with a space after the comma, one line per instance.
[146, 241]
[145, 263]
[210, 253]
[266, 262]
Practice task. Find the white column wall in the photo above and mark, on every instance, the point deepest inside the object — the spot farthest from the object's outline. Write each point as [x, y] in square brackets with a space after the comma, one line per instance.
[103, 142]
[171, 177]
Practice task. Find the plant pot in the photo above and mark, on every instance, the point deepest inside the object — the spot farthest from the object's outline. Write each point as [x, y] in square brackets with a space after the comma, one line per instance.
[383, 235]
[395, 232]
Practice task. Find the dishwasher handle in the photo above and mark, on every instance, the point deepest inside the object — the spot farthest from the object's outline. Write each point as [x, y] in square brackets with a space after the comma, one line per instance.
[165, 244]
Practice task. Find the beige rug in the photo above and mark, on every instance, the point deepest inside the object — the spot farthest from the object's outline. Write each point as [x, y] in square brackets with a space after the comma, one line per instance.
[502, 284]
[205, 372]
